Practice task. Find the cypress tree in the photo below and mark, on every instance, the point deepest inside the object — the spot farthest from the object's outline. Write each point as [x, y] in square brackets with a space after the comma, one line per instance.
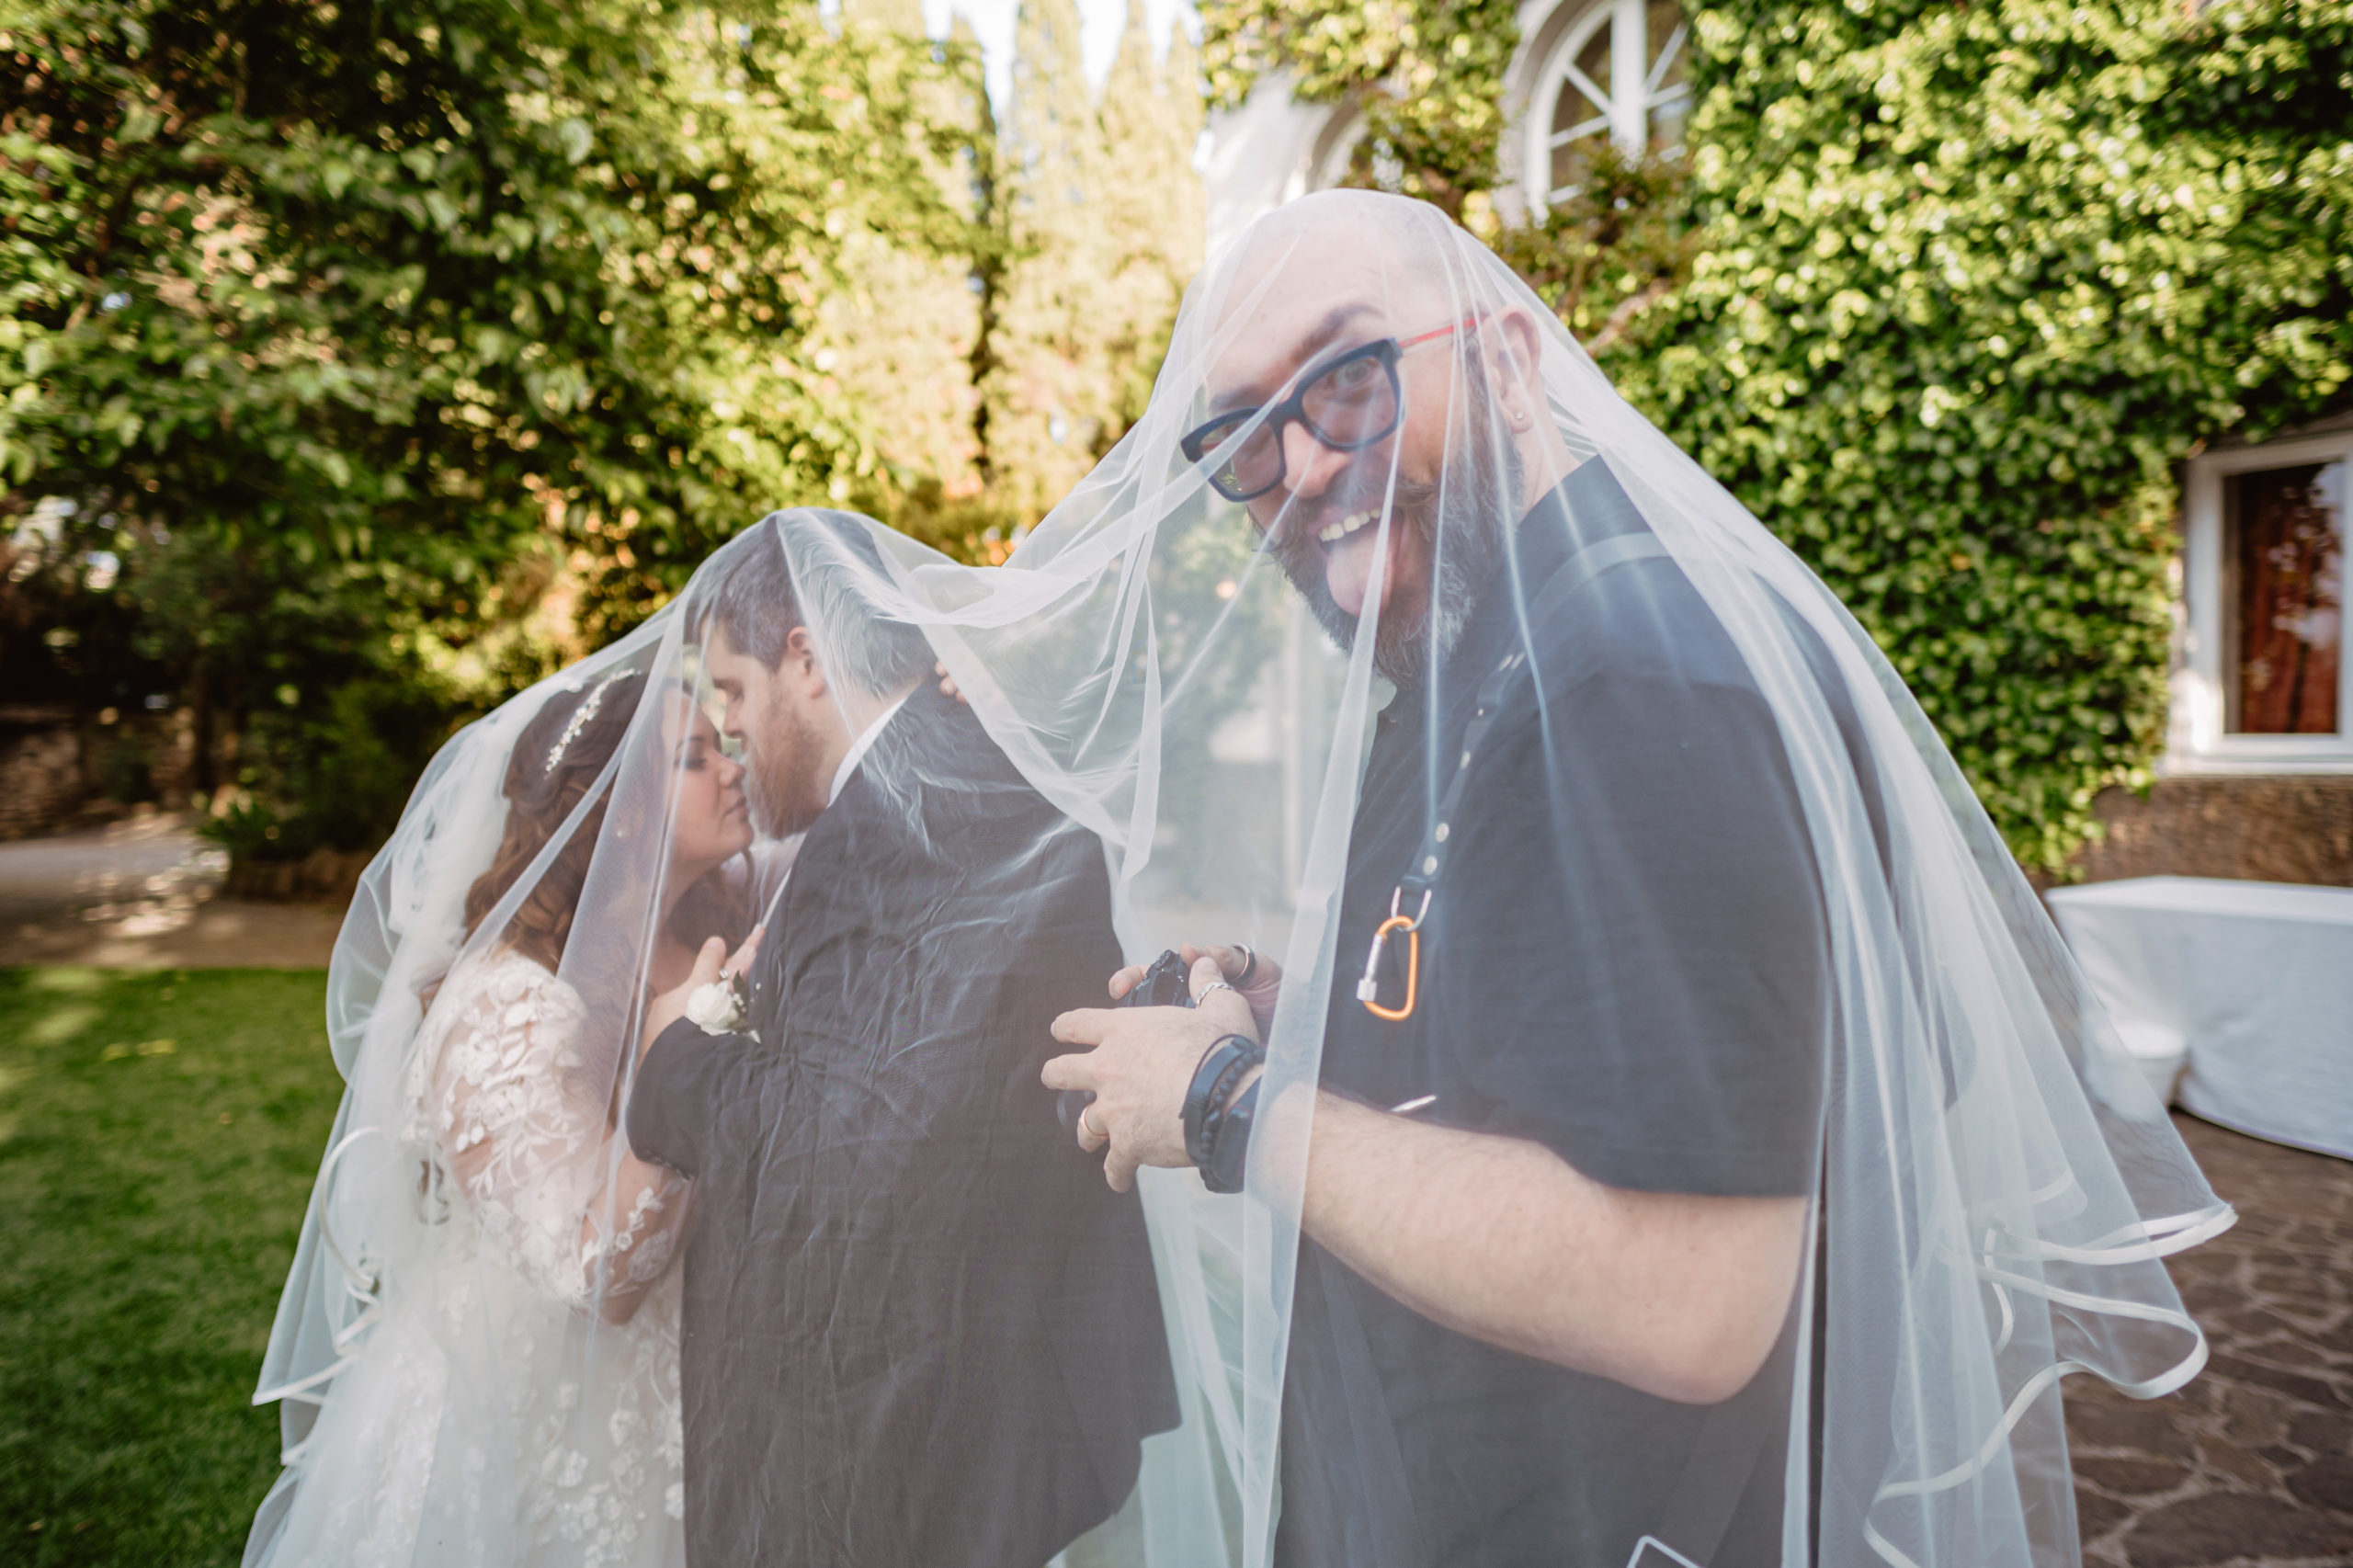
[1151, 118]
[897, 340]
[1050, 390]
[1101, 224]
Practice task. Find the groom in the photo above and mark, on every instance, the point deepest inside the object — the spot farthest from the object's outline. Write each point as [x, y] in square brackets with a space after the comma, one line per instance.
[919, 1330]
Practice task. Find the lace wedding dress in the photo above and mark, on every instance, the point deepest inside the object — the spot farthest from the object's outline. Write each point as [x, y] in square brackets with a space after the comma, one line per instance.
[492, 1416]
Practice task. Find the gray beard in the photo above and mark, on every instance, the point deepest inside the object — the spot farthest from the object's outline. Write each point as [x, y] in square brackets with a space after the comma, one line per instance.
[1460, 528]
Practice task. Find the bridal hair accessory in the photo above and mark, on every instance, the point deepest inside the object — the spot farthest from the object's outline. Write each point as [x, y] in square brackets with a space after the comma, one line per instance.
[580, 717]
[717, 1007]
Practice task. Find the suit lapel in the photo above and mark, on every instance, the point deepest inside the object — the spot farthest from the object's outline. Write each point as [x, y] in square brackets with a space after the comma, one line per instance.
[791, 923]
[825, 856]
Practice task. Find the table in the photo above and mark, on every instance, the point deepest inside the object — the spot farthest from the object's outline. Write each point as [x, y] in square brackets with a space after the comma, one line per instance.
[2254, 978]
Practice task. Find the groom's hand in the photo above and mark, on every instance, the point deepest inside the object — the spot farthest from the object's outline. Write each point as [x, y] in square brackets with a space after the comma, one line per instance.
[709, 964]
[1141, 1064]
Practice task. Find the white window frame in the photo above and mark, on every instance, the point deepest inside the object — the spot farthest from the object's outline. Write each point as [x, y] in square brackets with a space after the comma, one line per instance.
[2195, 739]
[1632, 96]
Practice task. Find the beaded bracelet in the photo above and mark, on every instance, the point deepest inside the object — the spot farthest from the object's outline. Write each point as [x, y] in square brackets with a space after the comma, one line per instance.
[1221, 1067]
[1228, 1136]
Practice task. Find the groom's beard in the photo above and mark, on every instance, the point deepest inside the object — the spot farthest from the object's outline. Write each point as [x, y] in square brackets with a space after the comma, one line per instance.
[782, 755]
[1459, 525]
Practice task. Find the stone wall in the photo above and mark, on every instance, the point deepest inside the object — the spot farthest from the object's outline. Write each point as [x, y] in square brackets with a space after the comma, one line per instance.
[42, 784]
[2268, 828]
[324, 875]
[58, 770]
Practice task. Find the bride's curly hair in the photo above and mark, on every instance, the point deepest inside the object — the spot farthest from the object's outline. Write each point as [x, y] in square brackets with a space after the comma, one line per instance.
[557, 760]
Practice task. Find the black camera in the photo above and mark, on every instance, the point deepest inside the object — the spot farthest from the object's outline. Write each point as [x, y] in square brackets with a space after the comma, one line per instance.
[1166, 984]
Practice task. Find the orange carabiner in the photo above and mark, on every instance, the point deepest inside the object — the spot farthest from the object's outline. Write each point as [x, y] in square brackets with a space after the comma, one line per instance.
[1369, 988]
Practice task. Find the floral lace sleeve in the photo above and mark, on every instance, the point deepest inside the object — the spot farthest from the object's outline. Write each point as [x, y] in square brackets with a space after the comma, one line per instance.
[502, 1092]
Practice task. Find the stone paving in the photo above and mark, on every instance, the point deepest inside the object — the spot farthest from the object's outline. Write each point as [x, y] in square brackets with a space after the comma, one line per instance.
[144, 893]
[2251, 1465]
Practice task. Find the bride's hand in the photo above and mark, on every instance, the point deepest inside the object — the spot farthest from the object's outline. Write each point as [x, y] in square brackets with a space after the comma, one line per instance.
[1266, 983]
[711, 965]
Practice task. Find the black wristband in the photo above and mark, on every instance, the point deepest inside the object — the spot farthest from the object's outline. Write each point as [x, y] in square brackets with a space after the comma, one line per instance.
[1221, 1067]
[1229, 1141]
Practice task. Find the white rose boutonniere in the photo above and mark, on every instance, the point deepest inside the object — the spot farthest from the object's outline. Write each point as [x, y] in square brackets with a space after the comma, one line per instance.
[718, 1007]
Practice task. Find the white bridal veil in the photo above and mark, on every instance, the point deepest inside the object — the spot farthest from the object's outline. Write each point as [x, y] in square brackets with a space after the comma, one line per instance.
[1709, 910]
[475, 1352]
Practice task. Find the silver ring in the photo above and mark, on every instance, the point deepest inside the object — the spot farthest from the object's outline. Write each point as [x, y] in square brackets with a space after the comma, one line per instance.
[1249, 964]
[1089, 1128]
[1213, 986]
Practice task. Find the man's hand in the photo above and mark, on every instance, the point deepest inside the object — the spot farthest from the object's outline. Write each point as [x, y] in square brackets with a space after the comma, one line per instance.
[1265, 986]
[711, 965]
[1141, 1065]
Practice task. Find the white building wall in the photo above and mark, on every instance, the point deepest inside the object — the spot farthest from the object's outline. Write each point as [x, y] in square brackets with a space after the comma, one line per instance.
[1260, 156]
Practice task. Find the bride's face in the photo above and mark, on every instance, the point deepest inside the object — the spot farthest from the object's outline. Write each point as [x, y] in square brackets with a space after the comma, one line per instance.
[714, 819]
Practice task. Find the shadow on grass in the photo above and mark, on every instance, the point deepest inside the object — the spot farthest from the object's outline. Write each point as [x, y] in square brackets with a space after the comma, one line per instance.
[158, 1136]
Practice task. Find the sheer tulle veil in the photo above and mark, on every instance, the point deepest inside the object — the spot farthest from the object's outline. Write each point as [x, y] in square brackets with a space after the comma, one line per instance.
[463, 1320]
[1991, 1186]
[1995, 1184]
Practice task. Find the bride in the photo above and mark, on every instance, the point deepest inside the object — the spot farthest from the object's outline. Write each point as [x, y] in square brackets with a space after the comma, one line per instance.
[487, 1262]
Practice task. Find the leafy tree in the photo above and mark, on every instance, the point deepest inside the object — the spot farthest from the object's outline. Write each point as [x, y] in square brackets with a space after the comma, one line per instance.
[898, 338]
[1050, 388]
[1151, 120]
[1428, 74]
[1607, 255]
[331, 322]
[1102, 224]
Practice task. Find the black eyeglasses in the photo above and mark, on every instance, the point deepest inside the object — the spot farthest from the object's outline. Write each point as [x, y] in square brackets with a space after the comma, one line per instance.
[1349, 403]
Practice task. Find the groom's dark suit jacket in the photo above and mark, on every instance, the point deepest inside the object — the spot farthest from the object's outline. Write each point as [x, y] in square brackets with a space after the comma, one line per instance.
[919, 1330]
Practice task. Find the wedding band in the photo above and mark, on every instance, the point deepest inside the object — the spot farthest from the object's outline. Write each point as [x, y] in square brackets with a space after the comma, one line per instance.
[1213, 986]
[1089, 1128]
[1249, 964]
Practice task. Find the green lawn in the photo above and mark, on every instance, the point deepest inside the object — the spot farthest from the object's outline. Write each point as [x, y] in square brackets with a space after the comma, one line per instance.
[158, 1137]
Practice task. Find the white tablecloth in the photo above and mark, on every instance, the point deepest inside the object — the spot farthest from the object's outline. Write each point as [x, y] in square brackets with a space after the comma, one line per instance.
[2256, 978]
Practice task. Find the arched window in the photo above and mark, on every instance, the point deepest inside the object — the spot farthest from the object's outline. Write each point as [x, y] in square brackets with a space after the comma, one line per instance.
[1619, 70]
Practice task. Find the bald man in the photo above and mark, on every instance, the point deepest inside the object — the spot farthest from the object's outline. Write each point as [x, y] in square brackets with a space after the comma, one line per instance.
[1556, 1195]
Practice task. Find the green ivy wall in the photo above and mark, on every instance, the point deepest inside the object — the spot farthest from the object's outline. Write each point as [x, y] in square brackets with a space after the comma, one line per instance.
[1966, 283]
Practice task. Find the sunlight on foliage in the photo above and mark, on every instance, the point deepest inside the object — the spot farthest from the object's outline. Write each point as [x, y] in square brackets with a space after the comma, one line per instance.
[1944, 293]
[1970, 282]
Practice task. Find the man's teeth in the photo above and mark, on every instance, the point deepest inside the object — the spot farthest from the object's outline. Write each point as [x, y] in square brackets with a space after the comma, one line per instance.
[1332, 533]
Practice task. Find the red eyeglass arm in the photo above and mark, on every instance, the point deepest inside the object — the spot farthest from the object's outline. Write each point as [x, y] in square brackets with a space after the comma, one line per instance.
[1438, 332]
